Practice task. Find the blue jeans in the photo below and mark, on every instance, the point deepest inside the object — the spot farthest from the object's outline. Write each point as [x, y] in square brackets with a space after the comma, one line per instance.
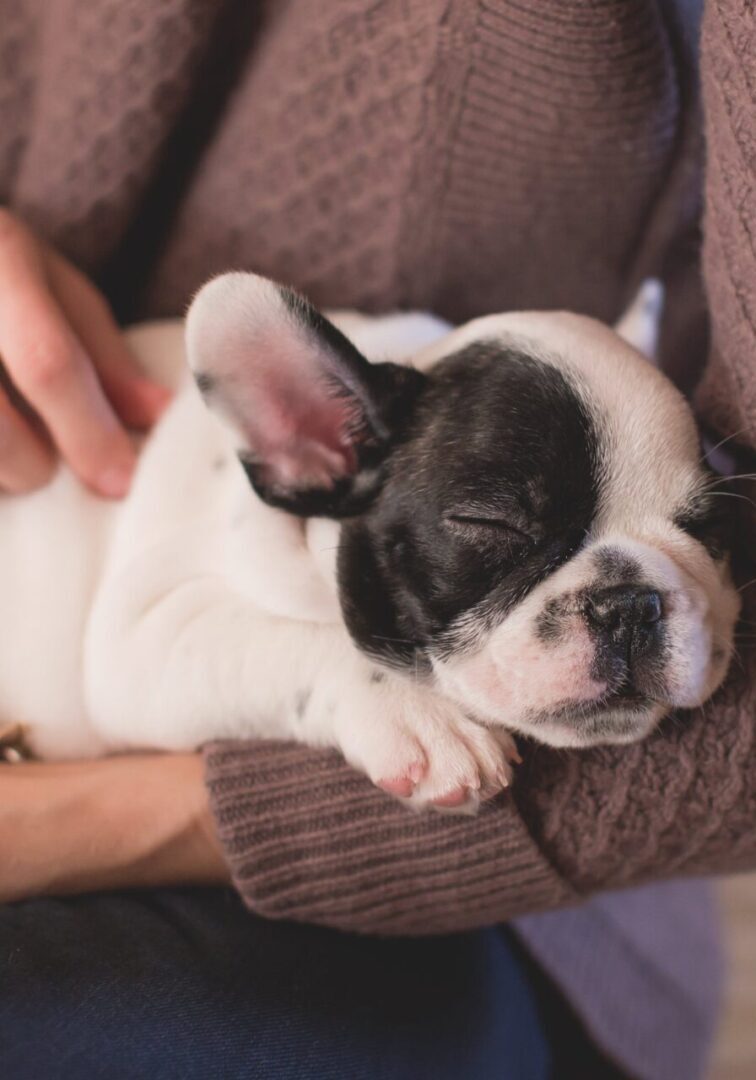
[187, 984]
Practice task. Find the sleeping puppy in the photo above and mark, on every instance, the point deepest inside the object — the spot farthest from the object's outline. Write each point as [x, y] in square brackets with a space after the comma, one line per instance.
[509, 531]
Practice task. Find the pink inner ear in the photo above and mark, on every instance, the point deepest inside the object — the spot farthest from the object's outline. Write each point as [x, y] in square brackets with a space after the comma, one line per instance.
[304, 439]
[293, 421]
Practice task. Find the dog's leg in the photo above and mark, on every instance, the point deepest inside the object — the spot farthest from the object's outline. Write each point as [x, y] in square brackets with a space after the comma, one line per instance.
[188, 660]
[411, 741]
[174, 657]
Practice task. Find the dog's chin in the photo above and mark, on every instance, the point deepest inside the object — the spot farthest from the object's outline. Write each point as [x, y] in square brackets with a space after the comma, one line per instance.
[578, 725]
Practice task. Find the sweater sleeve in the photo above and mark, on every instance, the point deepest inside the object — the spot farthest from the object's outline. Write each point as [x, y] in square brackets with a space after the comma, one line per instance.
[309, 839]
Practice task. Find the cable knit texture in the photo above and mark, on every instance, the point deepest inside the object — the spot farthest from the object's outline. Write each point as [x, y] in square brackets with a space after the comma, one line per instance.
[462, 156]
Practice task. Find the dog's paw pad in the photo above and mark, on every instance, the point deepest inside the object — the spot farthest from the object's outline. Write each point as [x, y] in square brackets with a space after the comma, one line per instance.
[401, 786]
[400, 766]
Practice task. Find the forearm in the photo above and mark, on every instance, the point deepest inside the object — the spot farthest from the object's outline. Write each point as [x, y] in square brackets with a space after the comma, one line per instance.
[122, 822]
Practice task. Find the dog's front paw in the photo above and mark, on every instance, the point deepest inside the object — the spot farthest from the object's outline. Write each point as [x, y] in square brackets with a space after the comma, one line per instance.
[423, 748]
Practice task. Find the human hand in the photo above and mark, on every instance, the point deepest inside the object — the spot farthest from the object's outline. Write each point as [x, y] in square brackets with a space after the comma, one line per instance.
[68, 383]
[120, 822]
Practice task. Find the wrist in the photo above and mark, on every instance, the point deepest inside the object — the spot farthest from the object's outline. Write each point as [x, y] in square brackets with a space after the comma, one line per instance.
[131, 821]
[145, 821]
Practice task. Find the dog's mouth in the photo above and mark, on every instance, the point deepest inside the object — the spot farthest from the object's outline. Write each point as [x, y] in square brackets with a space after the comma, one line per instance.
[626, 697]
[577, 712]
[616, 718]
[621, 715]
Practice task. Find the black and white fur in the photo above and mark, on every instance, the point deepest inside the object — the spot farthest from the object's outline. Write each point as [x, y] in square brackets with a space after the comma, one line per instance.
[509, 530]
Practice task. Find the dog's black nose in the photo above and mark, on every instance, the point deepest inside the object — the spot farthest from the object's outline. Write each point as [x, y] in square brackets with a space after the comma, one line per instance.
[626, 617]
[609, 609]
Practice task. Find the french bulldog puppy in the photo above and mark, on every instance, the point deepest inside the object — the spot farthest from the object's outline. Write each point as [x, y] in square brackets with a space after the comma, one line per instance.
[509, 531]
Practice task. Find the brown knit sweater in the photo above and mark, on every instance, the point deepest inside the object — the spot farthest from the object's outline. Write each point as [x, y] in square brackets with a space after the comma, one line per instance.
[445, 154]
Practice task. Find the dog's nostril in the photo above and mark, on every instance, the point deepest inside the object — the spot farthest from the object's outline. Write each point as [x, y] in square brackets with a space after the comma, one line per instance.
[603, 614]
[651, 607]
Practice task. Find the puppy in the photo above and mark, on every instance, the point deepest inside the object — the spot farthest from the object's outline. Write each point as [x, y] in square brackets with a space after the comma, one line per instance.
[510, 531]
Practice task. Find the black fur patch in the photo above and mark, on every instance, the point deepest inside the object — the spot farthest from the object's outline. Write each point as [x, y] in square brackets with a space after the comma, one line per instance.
[492, 484]
[551, 624]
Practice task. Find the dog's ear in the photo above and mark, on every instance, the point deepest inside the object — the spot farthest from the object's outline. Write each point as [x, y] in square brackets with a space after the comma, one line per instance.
[312, 417]
[641, 323]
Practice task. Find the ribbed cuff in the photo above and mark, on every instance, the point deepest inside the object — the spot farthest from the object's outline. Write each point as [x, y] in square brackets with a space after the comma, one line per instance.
[308, 839]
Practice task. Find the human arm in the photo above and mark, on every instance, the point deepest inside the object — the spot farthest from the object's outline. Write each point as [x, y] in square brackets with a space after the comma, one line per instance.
[308, 839]
[131, 821]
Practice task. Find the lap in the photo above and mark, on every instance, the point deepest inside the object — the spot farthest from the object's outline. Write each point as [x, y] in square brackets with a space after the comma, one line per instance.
[186, 983]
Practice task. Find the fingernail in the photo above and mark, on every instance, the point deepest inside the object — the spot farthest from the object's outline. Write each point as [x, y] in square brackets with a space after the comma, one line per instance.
[115, 482]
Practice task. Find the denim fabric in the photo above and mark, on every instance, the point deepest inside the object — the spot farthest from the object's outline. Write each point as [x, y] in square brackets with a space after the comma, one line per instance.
[186, 984]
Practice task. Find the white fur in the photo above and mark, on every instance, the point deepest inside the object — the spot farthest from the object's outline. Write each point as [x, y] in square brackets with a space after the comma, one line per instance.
[192, 611]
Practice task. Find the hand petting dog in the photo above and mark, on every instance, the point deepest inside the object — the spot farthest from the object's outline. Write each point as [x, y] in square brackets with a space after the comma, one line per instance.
[69, 384]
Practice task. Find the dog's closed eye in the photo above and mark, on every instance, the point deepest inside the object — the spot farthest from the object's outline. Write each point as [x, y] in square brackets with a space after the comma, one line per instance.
[478, 527]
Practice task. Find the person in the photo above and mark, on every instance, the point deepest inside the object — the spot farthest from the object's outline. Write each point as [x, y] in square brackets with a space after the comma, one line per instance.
[449, 156]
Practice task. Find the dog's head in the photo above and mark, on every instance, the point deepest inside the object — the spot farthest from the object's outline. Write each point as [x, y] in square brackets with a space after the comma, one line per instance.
[529, 520]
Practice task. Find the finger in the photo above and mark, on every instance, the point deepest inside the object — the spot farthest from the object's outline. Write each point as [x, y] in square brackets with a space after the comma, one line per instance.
[26, 461]
[137, 399]
[48, 365]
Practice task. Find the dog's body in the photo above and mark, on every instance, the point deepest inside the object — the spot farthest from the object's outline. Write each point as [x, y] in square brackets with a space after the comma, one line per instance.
[515, 540]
